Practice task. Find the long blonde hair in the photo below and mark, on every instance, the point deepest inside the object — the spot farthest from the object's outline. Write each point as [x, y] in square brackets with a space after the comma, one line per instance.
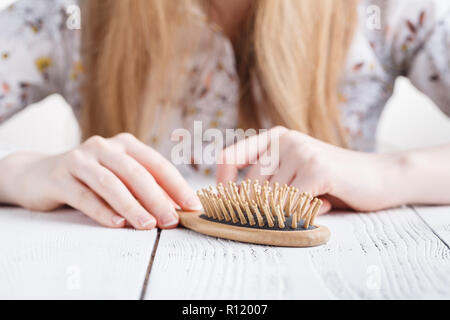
[294, 50]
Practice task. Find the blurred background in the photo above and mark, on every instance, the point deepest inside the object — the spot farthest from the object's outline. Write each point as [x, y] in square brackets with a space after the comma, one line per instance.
[409, 120]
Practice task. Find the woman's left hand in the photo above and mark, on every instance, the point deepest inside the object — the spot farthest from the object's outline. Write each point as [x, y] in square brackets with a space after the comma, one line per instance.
[342, 178]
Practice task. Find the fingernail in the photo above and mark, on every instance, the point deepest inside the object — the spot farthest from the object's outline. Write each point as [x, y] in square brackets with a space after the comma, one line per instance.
[169, 220]
[118, 220]
[194, 204]
[146, 221]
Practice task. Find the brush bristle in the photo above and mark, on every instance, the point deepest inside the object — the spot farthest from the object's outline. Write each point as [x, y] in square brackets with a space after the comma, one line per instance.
[253, 205]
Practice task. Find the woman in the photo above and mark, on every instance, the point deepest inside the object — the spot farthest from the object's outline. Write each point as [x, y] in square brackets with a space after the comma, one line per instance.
[317, 72]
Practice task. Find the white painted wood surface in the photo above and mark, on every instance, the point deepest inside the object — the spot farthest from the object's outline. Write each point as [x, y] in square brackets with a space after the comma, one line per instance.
[437, 218]
[65, 255]
[386, 255]
[401, 253]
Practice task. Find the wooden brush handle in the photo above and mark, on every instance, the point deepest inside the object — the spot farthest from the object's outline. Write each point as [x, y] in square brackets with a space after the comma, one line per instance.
[303, 238]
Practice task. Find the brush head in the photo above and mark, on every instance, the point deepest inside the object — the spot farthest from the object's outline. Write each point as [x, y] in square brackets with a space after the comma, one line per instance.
[257, 213]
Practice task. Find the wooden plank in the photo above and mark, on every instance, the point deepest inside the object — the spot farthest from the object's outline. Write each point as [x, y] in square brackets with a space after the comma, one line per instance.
[399, 257]
[391, 254]
[65, 255]
[438, 219]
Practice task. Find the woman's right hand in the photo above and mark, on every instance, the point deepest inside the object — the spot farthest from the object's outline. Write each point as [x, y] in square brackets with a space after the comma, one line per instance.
[110, 180]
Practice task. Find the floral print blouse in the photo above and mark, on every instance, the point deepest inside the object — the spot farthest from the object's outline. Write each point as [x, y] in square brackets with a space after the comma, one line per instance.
[40, 55]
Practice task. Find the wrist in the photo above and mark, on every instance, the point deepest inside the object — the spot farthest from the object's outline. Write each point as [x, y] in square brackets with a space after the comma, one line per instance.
[396, 175]
[13, 170]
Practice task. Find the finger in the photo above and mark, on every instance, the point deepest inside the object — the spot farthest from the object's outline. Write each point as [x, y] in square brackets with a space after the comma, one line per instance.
[244, 153]
[337, 203]
[284, 175]
[105, 184]
[142, 185]
[265, 168]
[326, 206]
[312, 185]
[164, 172]
[255, 173]
[226, 173]
[86, 201]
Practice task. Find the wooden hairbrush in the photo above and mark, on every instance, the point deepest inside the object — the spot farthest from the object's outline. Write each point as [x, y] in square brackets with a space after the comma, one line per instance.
[278, 216]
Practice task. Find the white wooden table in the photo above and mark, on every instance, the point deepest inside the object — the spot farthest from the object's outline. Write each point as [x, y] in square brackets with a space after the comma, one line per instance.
[397, 254]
